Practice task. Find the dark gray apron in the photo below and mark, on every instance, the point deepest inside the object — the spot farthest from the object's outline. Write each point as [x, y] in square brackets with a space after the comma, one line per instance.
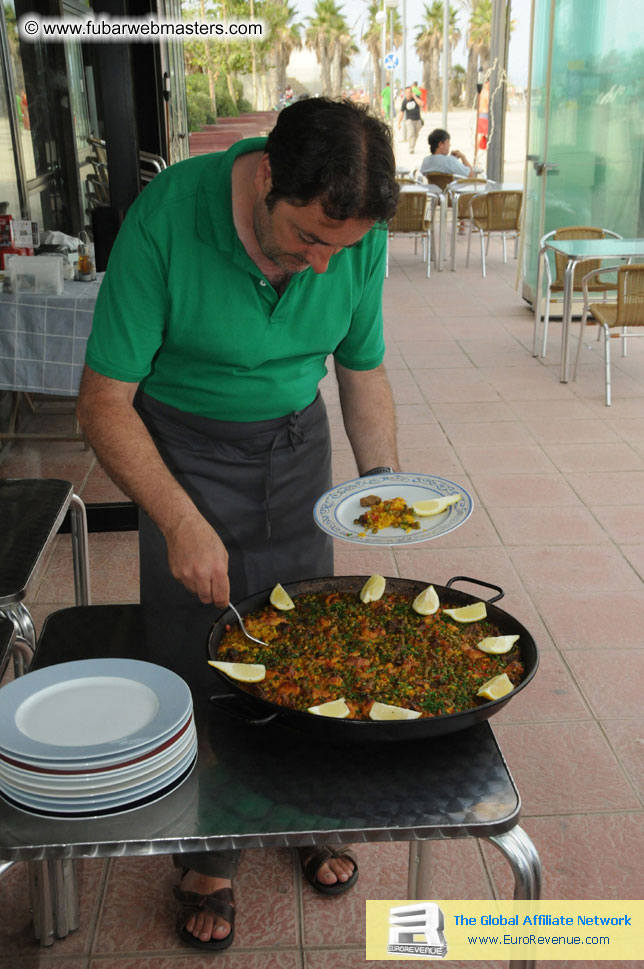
[256, 483]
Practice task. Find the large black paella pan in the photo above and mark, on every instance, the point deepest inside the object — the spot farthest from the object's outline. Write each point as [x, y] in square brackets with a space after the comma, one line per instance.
[257, 710]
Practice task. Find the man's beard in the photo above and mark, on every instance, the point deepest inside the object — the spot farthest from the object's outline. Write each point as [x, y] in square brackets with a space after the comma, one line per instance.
[263, 227]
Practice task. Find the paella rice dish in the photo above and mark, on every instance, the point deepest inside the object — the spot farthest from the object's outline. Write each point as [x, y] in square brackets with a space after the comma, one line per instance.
[393, 513]
[333, 645]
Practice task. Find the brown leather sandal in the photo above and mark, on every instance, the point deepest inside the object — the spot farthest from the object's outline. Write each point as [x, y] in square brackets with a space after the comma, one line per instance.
[219, 903]
[311, 864]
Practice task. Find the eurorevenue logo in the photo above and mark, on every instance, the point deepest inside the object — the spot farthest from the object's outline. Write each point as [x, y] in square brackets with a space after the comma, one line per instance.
[417, 930]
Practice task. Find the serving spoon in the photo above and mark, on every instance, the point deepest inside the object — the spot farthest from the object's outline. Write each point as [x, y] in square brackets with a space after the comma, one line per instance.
[244, 630]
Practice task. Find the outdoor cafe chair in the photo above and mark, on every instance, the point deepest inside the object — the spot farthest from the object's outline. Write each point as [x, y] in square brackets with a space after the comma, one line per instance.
[613, 317]
[587, 266]
[498, 213]
[414, 217]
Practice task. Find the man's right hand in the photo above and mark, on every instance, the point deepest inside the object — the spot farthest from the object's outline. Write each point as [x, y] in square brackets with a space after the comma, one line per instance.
[198, 559]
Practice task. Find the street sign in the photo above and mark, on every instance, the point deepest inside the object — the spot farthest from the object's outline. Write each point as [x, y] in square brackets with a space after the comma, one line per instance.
[391, 61]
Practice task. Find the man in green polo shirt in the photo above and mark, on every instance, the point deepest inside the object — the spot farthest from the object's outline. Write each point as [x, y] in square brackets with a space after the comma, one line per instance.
[234, 278]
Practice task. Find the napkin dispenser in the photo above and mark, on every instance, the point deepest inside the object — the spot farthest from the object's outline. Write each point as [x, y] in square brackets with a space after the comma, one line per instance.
[35, 274]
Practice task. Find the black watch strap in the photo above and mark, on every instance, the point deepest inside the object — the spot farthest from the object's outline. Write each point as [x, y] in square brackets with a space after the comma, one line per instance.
[382, 470]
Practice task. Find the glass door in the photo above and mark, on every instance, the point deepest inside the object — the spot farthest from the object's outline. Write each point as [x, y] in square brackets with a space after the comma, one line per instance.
[586, 155]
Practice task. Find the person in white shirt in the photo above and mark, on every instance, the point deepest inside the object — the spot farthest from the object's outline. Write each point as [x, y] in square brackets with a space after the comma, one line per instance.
[441, 159]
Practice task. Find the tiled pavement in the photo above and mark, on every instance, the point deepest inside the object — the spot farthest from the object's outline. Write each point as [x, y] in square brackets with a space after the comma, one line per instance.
[558, 481]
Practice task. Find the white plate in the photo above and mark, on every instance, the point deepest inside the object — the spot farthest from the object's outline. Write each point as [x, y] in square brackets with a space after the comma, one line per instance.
[117, 761]
[82, 785]
[99, 801]
[95, 812]
[90, 709]
[335, 512]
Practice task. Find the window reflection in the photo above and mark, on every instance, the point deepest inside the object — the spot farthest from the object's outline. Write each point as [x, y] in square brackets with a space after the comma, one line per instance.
[9, 198]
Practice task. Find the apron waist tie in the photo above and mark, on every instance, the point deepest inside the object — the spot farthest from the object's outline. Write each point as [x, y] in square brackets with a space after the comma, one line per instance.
[295, 435]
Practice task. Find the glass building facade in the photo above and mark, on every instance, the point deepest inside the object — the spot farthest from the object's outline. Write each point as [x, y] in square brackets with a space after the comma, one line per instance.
[51, 103]
[586, 95]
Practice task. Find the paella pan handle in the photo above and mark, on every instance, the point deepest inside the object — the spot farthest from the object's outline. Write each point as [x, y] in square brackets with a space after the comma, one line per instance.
[219, 701]
[488, 585]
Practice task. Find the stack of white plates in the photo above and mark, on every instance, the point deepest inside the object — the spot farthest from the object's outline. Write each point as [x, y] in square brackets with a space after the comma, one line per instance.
[94, 737]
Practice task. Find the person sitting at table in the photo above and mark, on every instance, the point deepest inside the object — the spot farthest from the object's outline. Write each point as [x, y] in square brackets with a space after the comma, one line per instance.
[233, 279]
[441, 159]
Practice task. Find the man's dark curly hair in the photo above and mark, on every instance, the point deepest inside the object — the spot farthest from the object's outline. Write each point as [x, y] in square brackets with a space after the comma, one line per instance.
[335, 152]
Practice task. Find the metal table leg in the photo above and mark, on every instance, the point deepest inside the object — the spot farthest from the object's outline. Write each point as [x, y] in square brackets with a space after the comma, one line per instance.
[443, 231]
[54, 899]
[537, 305]
[41, 901]
[520, 851]
[566, 318]
[80, 550]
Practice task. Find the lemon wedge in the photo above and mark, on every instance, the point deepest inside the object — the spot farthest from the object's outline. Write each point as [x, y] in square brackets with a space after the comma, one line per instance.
[386, 711]
[426, 602]
[497, 687]
[281, 599]
[373, 588]
[334, 708]
[434, 506]
[467, 613]
[246, 672]
[497, 644]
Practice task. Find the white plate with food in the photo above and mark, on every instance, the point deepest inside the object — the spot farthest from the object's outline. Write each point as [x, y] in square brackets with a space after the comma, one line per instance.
[395, 508]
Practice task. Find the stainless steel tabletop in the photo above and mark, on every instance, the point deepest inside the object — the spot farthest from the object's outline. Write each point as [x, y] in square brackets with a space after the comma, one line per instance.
[31, 512]
[266, 786]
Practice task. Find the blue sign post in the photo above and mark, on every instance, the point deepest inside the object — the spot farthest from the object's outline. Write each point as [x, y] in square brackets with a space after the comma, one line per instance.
[391, 61]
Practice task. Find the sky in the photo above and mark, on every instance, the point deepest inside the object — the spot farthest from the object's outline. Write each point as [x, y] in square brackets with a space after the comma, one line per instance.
[355, 12]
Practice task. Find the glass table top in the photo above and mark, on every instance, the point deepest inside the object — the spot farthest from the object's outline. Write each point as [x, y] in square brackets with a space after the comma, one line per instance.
[582, 248]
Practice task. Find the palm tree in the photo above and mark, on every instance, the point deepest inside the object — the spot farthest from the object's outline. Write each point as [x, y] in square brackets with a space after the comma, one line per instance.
[283, 38]
[478, 43]
[329, 36]
[429, 44]
[372, 39]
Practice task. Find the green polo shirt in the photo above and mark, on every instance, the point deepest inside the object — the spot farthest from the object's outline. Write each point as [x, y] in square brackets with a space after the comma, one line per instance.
[184, 311]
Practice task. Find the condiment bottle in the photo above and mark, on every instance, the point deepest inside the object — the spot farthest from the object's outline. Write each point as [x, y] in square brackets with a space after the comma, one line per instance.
[86, 271]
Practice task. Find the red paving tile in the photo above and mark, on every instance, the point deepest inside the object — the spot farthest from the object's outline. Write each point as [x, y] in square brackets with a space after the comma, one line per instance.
[574, 568]
[487, 433]
[599, 456]
[627, 740]
[17, 940]
[592, 856]
[515, 459]
[552, 526]
[524, 490]
[610, 696]
[625, 526]
[564, 770]
[192, 959]
[571, 432]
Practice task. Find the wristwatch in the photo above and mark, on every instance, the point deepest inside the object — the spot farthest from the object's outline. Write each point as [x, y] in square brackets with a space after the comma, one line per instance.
[382, 470]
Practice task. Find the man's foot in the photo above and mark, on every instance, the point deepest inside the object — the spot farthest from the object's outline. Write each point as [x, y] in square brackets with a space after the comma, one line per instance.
[330, 870]
[204, 923]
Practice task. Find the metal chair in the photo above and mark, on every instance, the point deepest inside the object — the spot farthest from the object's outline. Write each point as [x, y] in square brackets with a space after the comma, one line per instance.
[498, 213]
[414, 217]
[442, 179]
[557, 285]
[628, 311]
